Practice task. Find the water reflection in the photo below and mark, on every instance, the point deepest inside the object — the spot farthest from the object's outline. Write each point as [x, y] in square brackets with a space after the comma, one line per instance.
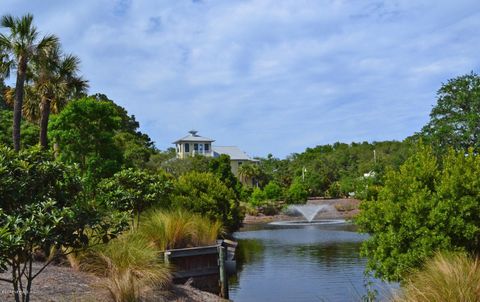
[299, 263]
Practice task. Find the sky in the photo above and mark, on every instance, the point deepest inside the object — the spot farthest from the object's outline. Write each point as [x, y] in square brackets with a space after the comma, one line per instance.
[269, 76]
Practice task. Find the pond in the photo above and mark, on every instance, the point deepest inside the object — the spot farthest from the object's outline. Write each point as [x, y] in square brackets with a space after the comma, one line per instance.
[300, 263]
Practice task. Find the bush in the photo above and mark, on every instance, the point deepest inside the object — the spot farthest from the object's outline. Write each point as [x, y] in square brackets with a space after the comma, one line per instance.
[40, 208]
[335, 190]
[258, 196]
[446, 277]
[273, 191]
[422, 208]
[134, 191]
[207, 195]
[297, 193]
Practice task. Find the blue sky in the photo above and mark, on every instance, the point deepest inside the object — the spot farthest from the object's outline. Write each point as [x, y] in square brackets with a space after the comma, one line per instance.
[269, 76]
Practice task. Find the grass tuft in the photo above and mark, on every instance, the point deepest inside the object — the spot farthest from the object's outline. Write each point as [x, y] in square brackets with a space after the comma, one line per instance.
[130, 266]
[178, 229]
[447, 277]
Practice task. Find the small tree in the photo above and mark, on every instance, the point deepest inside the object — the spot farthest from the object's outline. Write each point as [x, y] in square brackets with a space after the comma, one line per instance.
[40, 209]
[273, 191]
[422, 208]
[297, 193]
[133, 191]
[205, 194]
[84, 132]
[258, 197]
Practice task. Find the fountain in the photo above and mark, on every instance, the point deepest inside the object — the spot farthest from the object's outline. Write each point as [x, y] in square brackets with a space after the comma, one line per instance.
[310, 211]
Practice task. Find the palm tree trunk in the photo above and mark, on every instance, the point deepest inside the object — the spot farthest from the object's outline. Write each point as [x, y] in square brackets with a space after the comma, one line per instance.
[44, 116]
[17, 105]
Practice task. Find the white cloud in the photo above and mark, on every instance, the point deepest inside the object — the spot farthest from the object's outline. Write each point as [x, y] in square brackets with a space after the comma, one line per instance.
[268, 75]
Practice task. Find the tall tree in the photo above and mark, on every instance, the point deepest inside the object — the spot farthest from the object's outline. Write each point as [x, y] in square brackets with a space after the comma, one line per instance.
[455, 120]
[55, 81]
[85, 132]
[20, 45]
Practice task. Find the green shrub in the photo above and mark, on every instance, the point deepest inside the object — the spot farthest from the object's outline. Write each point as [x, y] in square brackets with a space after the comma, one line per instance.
[422, 208]
[41, 208]
[273, 191]
[258, 196]
[335, 190]
[447, 277]
[134, 191]
[270, 208]
[297, 193]
[205, 194]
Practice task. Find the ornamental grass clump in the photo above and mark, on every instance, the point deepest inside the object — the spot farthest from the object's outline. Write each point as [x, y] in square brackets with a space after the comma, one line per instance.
[447, 277]
[178, 229]
[130, 265]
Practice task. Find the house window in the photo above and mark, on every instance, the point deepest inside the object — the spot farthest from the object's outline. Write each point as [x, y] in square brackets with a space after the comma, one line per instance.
[195, 147]
[200, 148]
[240, 163]
[187, 148]
[207, 147]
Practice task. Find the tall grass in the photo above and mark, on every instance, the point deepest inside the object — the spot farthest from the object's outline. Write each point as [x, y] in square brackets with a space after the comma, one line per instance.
[178, 229]
[446, 277]
[131, 266]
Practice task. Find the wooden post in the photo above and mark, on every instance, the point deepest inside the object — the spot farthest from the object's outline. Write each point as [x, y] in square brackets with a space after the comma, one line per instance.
[166, 257]
[222, 256]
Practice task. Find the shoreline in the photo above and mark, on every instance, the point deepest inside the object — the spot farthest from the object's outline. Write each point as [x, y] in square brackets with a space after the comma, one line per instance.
[340, 208]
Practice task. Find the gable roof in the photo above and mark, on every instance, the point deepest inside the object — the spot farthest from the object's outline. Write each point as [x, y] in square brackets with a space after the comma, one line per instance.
[233, 151]
[193, 137]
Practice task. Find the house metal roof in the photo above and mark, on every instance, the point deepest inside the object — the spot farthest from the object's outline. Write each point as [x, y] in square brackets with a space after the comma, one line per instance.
[234, 152]
[193, 137]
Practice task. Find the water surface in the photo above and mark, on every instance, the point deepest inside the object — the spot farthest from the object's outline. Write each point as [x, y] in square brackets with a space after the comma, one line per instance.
[300, 263]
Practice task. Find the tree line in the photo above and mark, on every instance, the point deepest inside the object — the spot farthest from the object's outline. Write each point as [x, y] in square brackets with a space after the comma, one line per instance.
[90, 149]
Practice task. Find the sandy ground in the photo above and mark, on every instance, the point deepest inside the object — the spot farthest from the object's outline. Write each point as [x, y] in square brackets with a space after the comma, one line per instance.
[63, 284]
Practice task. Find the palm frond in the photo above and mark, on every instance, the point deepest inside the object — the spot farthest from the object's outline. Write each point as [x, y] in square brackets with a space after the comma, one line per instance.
[25, 28]
[47, 43]
[8, 21]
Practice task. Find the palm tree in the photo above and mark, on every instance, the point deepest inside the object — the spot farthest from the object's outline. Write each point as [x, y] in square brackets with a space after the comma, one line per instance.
[55, 81]
[249, 173]
[20, 45]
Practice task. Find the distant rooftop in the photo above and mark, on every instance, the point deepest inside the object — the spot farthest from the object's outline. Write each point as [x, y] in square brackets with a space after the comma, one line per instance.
[234, 152]
[193, 137]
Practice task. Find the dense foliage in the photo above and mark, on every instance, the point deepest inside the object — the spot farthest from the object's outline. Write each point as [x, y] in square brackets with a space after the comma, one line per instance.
[423, 207]
[205, 194]
[84, 132]
[29, 130]
[455, 120]
[133, 191]
[334, 170]
[40, 209]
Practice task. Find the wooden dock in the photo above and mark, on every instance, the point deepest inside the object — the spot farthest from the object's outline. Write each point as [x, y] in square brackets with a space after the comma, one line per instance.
[205, 267]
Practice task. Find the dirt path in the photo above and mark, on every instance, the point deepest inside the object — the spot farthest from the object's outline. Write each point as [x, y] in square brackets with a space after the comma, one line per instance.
[63, 284]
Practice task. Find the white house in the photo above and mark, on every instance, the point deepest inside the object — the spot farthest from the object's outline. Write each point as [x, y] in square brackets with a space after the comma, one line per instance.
[194, 144]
